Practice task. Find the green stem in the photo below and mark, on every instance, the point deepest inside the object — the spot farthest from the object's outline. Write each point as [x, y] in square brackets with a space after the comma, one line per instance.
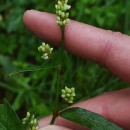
[62, 46]
[127, 14]
[62, 31]
[55, 115]
[56, 103]
[58, 86]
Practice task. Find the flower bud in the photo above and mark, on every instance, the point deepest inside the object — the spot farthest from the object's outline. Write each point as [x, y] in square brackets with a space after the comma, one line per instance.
[68, 94]
[61, 11]
[46, 50]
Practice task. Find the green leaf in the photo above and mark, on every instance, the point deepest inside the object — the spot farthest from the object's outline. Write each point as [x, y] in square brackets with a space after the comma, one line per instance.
[30, 69]
[88, 119]
[9, 119]
[2, 127]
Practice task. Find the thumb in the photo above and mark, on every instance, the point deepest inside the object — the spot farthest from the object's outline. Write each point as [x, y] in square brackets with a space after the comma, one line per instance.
[54, 127]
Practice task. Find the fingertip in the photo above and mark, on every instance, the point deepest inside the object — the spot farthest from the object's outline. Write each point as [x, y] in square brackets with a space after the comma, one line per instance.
[43, 25]
[26, 16]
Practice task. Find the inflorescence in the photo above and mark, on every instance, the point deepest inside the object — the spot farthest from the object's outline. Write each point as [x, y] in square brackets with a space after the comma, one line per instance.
[68, 94]
[62, 12]
[31, 121]
[46, 50]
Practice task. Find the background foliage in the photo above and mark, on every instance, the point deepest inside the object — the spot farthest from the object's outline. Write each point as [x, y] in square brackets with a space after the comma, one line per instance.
[18, 49]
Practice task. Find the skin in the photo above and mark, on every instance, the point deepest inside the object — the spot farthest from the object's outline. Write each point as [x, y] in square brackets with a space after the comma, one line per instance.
[110, 49]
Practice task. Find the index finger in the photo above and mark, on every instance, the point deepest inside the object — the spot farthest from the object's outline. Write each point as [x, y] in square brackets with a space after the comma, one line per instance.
[111, 49]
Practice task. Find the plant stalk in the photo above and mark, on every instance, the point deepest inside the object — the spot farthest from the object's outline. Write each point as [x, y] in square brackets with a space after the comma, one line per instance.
[56, 104]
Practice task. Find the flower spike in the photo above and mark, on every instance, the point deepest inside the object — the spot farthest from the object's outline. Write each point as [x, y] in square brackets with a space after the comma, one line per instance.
[31, 121]
[62, 8]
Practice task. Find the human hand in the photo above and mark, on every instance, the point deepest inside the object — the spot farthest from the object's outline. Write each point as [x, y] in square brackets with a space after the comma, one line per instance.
[111, 49]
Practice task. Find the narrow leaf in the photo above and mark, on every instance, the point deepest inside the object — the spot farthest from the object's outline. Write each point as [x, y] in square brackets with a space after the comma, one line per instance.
[88, 119]
[30, 69]
[2, 127]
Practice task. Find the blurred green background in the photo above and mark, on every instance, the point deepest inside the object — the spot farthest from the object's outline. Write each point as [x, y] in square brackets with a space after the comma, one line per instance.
[35, 91]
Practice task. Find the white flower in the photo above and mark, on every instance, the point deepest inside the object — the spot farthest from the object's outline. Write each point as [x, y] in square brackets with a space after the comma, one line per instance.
[61, 10]
[31, 121]
[46, 50]
[68, 94]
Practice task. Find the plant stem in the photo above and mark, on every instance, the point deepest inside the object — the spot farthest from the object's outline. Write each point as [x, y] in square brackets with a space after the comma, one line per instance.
[58, 86]
[56, 103]
[62, 31]
[55, 115]
[62, 51]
